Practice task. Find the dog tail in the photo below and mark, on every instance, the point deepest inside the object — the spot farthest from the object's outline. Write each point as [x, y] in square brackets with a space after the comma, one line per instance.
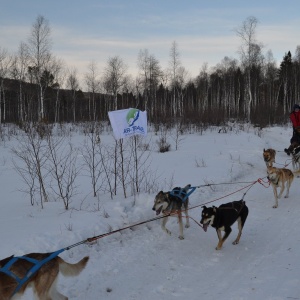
[68, 269]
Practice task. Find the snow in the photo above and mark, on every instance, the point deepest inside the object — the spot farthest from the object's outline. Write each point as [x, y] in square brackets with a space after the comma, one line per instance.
[145, 263]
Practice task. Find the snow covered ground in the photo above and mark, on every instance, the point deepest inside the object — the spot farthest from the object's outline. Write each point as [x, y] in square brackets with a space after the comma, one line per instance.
[143, 262]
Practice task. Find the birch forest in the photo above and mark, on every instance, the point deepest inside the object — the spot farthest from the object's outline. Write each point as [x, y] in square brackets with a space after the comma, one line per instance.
[36, 86]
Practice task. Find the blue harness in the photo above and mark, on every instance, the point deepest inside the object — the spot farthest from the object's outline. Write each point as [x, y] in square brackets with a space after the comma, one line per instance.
[182, 193]
[37, 264]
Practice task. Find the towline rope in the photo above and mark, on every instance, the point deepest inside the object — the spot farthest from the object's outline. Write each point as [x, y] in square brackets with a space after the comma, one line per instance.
[38, 264]
[248, 186]
[94, 238]
[287, 162]
[222, 183]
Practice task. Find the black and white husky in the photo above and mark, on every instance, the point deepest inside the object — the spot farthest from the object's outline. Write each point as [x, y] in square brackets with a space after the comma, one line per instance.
[223, 217]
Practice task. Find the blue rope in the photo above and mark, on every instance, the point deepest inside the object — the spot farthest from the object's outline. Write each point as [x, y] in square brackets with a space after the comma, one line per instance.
[37, 264]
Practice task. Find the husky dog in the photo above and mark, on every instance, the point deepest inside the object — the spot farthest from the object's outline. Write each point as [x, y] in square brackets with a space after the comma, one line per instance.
[168, 203]
[291, 147]
[223, 217]
[43, 281]
[269, 157]
[295, 151]
[279, 177]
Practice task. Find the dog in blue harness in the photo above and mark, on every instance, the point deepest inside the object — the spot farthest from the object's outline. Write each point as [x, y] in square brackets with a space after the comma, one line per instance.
[38, 270]
[173, 203]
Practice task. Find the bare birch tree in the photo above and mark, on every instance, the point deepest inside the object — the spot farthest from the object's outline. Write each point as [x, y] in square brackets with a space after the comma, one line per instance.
[27, 171]
[174, 64]
[202, 83]
[92, 158]
[182, 79]
[33, 154]
[73, 85]
[114, 77]
[270, 75]
[150, 75]
[5, 63]
[249, 52]
[143, 79]
[39, 47]
[139, 164]
[296, 61]
[19, 68]
[63, 169]
[59, 75]
[93, 87]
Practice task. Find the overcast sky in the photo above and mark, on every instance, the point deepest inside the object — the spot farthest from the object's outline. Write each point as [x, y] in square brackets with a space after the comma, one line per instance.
[95, 30]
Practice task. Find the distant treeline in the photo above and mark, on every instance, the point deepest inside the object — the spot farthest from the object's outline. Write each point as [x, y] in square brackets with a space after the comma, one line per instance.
[212, 98]
[36, 87]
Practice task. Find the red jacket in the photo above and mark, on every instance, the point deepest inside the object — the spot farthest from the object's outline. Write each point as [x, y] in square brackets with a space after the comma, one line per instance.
[295, 118]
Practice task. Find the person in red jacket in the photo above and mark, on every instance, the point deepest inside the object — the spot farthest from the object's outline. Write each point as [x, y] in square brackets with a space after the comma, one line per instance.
[295, 119]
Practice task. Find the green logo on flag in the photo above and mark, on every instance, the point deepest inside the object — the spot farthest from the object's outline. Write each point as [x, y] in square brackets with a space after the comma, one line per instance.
[132, 116]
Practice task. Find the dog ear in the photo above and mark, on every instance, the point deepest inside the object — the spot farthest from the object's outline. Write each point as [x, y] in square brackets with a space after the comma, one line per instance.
[214, 209]
[204, 207]
[264, 150]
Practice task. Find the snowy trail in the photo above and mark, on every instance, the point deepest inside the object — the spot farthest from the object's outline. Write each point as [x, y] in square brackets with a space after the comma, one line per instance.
[144, 263]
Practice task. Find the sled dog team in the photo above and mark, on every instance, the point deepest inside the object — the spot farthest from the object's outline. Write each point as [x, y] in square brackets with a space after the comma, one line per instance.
[224, 216]
[221, 218]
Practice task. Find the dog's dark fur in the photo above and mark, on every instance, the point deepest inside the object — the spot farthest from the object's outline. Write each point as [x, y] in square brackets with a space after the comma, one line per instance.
[292, 146]
[166, 204]
[222, 218]
[294, 149]
[43, 281]
[269, 156]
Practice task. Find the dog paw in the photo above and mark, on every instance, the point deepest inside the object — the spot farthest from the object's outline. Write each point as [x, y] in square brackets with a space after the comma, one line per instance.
[286, 196]
[187, 225]
[235, 243]
[181, 237]
[275, 206]
[168, 232]
[218, 248]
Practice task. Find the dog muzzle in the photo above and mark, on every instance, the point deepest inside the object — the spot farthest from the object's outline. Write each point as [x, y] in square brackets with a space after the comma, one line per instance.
[158, 211]
[205, 225]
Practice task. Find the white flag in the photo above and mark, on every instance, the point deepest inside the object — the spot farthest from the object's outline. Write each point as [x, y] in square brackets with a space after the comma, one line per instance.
[128, 122]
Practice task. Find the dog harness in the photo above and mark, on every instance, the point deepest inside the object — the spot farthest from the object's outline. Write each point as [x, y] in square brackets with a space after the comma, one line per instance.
[37, 264]
[182, 193]
[233, 207]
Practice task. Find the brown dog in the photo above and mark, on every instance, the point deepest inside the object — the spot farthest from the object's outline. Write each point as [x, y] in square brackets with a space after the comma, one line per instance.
[269, 157]
[279, 177]
[43, 281]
